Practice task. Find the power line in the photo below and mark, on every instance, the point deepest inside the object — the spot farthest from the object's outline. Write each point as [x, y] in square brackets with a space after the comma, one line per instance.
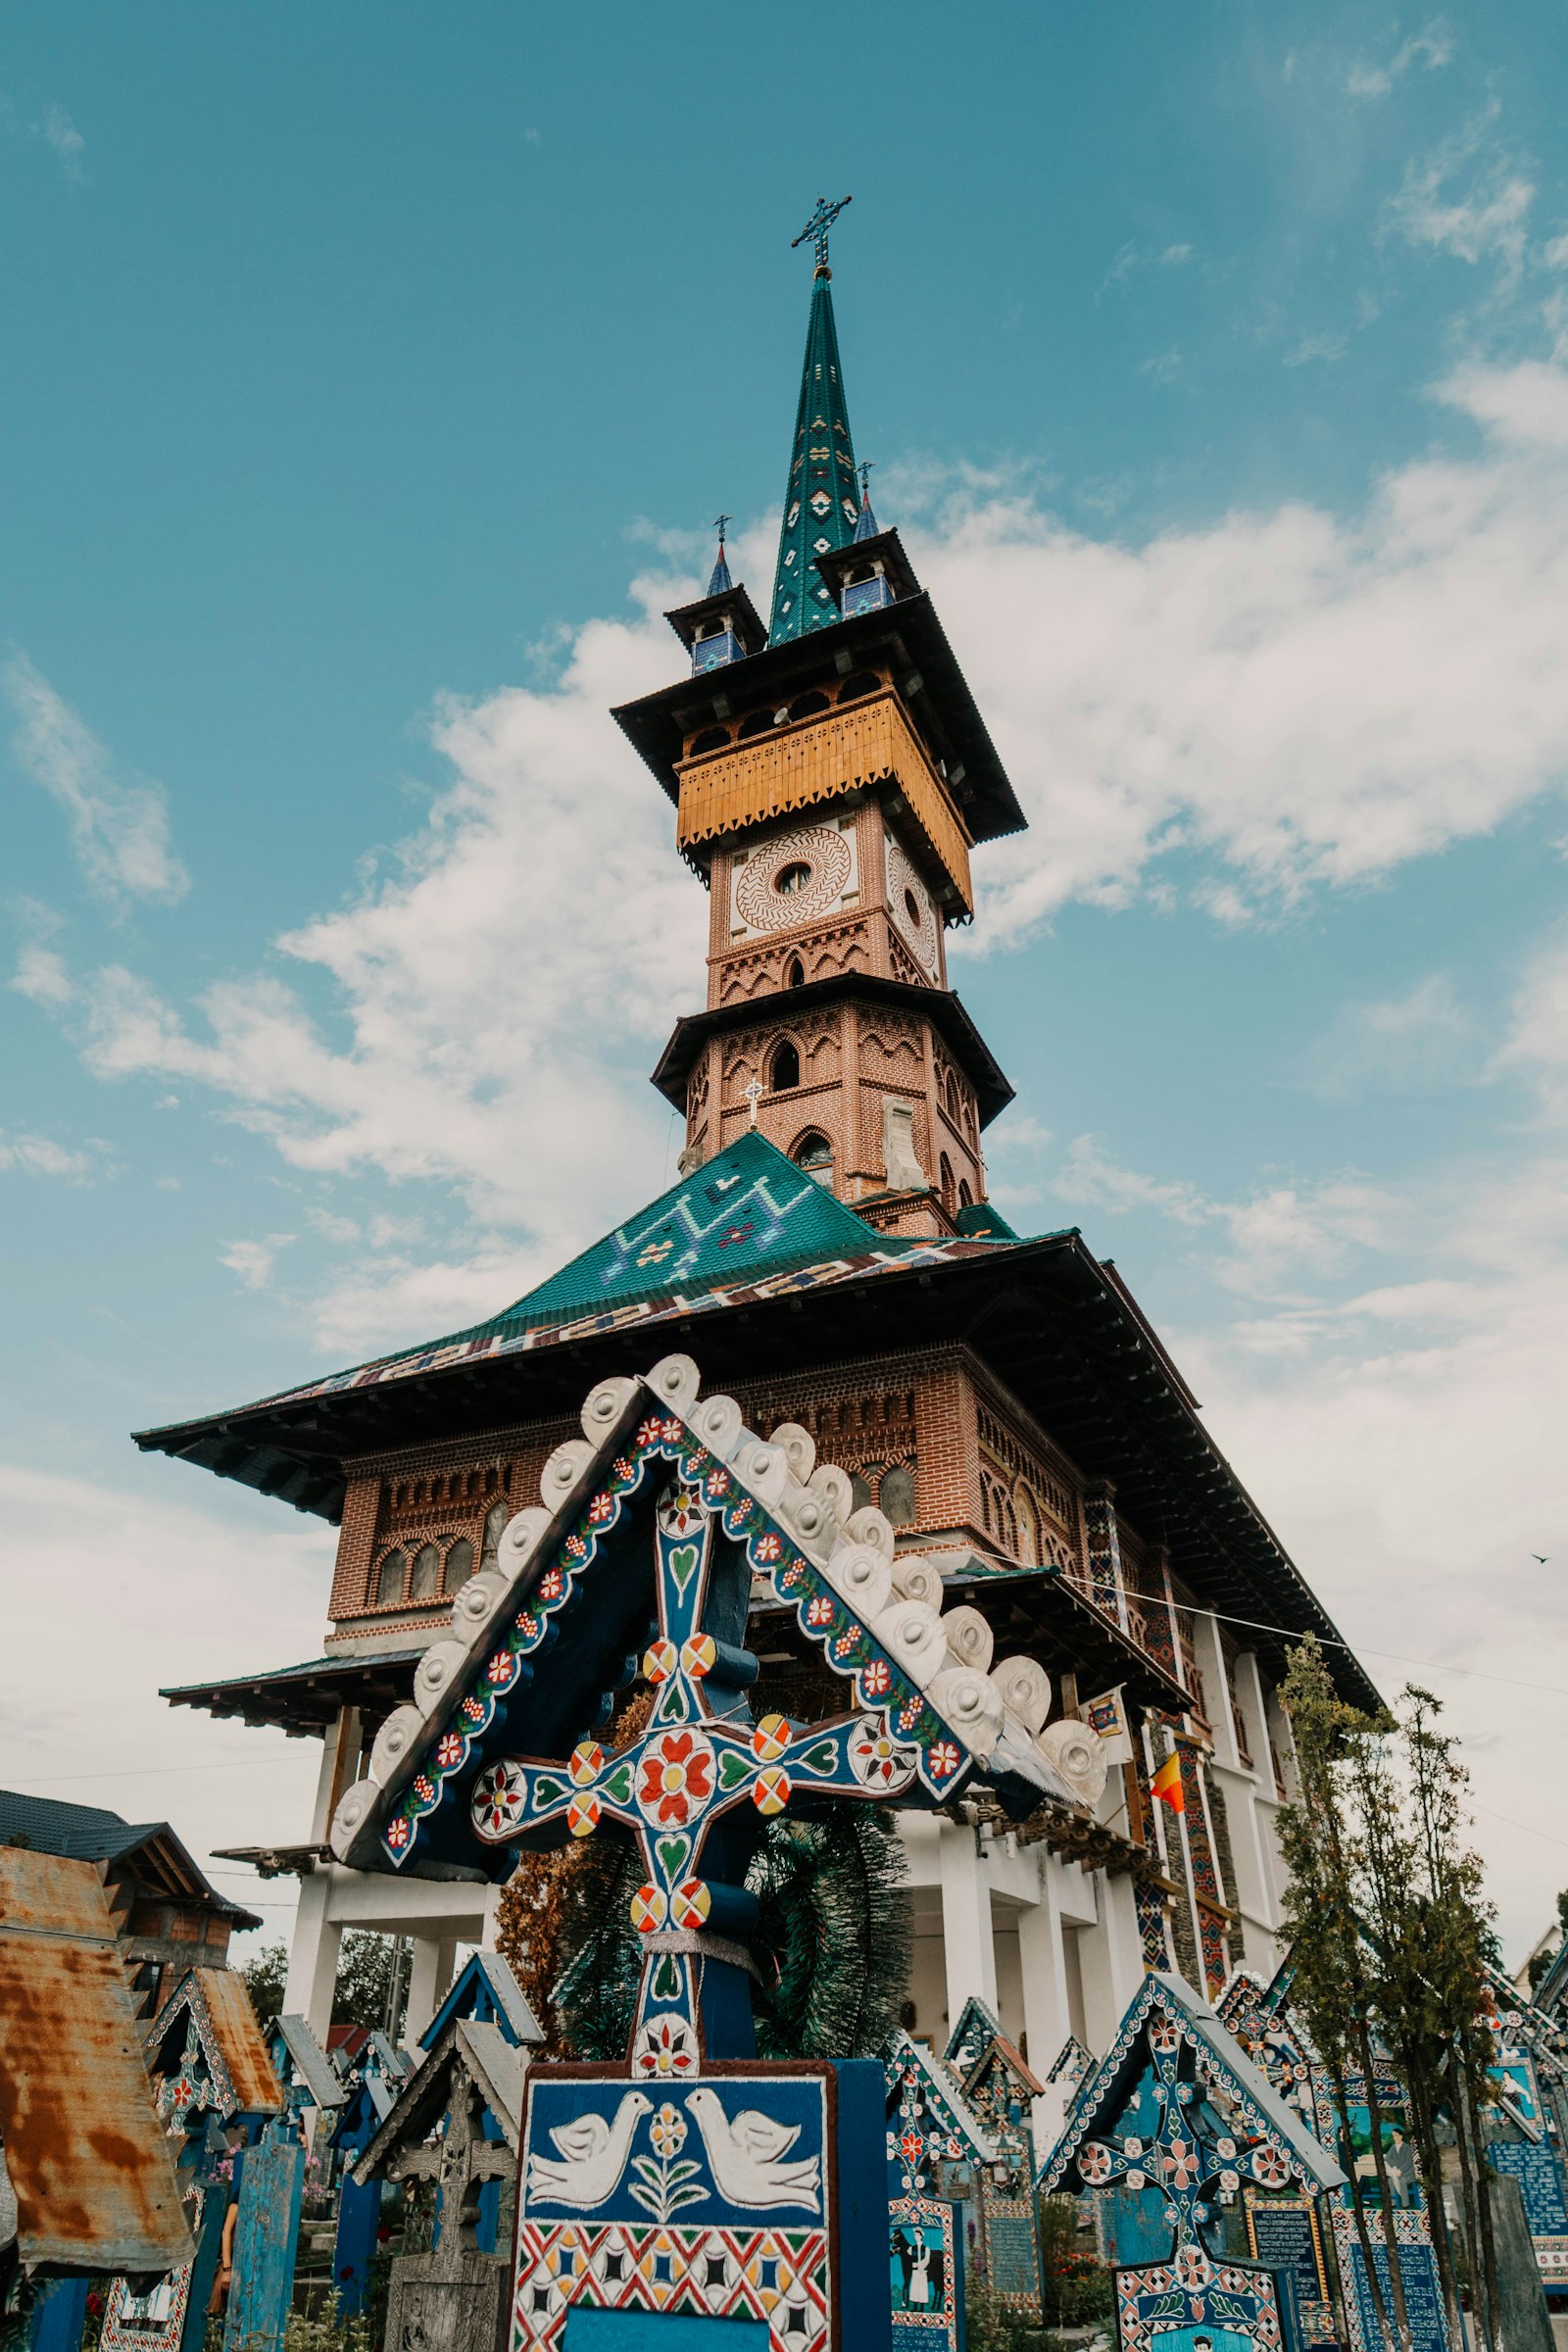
[1288, 1632]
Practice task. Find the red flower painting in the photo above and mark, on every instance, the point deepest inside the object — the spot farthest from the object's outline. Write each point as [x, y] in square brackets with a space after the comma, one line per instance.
[677, 1778]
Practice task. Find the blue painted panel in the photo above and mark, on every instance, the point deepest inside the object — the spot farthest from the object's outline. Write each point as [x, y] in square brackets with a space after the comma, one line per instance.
[59, 2316]
[635, 2165]
[266, 2240]
[864, 2291]
[661, 2331]
[359, 2216]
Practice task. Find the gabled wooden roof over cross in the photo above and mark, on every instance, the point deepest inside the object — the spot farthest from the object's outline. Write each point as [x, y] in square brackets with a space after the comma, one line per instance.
[1176, 2106]
[654, 1532]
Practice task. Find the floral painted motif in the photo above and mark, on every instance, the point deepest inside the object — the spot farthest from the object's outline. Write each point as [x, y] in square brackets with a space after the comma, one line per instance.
[450, 1750]
[877, 1760]
[500, 1798]
[601, 1510]
[675, 1779]
[820, 1610]
[941, 1759]
[665, 2048]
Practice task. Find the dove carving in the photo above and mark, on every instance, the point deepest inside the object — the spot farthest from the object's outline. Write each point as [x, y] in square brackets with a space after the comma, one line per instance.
[593, 2155]
[745, 2154]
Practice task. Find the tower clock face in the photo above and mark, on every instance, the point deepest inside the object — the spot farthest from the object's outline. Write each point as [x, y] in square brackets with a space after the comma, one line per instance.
[913, 910]
[793, 878]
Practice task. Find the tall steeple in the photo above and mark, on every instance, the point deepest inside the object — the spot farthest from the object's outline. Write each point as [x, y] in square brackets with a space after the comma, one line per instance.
[821, 508]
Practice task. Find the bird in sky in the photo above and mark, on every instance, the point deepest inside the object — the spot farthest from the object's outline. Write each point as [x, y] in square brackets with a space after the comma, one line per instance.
[744, 2152]
[1541, 1557]
[593, 2152]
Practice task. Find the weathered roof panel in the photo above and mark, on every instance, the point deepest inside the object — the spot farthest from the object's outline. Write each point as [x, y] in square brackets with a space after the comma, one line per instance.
[241, 2043]
[87, 2156]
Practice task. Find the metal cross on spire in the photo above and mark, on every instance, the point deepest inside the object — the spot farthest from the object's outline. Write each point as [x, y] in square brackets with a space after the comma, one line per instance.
[717, 525]
[818, 227]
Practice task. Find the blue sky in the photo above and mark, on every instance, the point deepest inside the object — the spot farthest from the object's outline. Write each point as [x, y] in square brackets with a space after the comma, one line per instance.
[371, 377]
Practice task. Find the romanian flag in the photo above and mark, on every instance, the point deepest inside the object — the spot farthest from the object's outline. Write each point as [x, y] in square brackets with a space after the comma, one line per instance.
[1168, 1784]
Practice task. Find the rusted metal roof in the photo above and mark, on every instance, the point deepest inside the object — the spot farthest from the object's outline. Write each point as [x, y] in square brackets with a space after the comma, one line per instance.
[90, 2163]
[241, 2043]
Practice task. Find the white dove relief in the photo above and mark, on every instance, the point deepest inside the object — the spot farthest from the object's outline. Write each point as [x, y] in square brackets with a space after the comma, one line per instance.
[744, 2152]
[593, 2155]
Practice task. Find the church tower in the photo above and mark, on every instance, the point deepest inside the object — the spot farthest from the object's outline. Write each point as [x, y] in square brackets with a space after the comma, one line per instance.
[831, 775]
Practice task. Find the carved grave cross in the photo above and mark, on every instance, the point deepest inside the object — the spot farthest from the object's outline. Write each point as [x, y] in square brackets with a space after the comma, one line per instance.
[460, 2162]
[693, 1784]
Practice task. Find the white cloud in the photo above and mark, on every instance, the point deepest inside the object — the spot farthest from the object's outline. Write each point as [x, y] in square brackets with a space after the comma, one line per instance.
[1431, 48]
[1406, 1444]
[61, 134]
[253, 1261]
[39, 1156]
[1405, 1043]
[193, 1583]
[1264, 1244]
[1537, 1043]
[1488, 220]
[1290, 700]
[118, 824]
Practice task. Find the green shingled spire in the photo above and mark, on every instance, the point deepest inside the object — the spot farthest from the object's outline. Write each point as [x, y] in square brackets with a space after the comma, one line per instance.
[821, 508]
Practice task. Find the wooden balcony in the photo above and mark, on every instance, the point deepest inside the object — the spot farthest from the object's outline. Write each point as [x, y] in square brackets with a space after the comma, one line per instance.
[817, 759]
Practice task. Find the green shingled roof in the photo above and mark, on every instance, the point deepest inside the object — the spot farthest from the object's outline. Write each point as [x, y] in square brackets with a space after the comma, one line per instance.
[748, 1213]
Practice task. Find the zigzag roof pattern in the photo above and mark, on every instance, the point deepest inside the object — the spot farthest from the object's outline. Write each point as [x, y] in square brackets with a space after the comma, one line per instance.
[747, 1220]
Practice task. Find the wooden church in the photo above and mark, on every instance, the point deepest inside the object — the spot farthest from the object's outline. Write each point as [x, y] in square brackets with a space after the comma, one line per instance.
[830, 1253]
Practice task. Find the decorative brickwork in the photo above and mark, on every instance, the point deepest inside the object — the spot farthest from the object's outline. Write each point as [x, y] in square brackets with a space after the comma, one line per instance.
[430, 1500]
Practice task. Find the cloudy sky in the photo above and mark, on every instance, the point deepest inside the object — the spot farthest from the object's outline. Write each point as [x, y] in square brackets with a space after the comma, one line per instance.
[371, 376]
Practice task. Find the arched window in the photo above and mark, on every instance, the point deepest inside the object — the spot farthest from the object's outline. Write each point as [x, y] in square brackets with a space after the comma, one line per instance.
[785, 1070]
[945, 1182]
[954, 1101]
[897, 1494]
[965, 1196]
[1028, 1527]
[389, 1576]
[859, 1491]
[807, 706]
[759, 723]
[711, 739]
[459, 1565]
[426, 1577]
[863, 682]
[815, 1153]
[495, 1519]
[795, 973]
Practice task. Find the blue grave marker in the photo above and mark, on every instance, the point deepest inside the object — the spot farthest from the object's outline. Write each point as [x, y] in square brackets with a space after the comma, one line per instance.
[690, 2183]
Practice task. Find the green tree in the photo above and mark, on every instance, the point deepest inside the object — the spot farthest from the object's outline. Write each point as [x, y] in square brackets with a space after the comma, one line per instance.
[1329, 1986]
[363, 1980]
[265, 1974]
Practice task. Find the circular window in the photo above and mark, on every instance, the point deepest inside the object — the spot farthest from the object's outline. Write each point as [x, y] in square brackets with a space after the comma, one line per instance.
[788, 881]
[912, 908]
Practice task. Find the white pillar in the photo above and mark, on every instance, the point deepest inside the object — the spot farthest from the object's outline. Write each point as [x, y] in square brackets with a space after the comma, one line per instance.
[430, 1981]
[968, 1946]
[313, 1957]
[1047, 2013]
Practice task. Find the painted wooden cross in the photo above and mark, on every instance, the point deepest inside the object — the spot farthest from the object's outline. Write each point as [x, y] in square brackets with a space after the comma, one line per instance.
[1176, 2113]
[721, 1510]
[701, 1776]
[691, 2179]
